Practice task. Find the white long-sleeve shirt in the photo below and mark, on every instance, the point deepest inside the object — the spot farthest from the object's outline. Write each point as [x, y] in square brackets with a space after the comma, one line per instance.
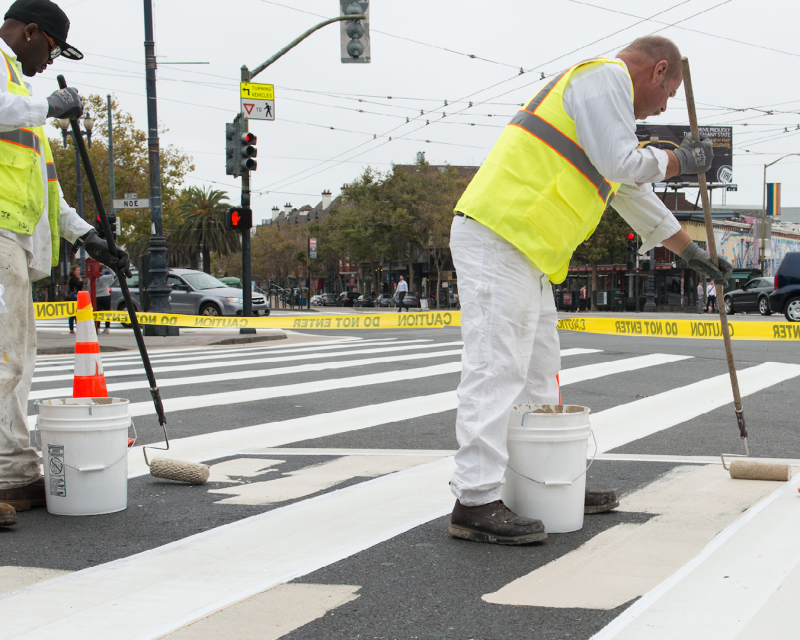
[598, 99]
[402, 286]
[29, 111]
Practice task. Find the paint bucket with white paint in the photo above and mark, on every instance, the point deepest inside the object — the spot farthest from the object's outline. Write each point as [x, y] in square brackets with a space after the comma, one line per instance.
[84, 445]
[546, 474]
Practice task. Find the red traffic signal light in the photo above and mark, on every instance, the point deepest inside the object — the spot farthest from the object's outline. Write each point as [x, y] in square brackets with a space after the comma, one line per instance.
[239, 218]
[630, 236]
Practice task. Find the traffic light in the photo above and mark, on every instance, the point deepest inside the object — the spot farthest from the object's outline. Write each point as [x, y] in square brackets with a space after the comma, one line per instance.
[355, 33]
[112, 221]
[631, 251]
[239, 218]
[240, 150]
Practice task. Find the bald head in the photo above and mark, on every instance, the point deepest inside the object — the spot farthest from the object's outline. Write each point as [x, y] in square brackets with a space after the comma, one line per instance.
[653, 49]
[654, 64]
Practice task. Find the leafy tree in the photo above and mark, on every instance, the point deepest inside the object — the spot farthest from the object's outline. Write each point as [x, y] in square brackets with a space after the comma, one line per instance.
[200, 227]
[607, 241]
[131, 171]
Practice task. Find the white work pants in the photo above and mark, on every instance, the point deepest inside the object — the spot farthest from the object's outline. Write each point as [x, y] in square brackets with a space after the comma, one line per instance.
[511, 352]
[19, 462]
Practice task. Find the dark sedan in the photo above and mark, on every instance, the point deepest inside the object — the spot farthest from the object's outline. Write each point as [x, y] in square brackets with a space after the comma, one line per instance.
[367, 300]
[786, 297]
[347, 298]
[753, 296]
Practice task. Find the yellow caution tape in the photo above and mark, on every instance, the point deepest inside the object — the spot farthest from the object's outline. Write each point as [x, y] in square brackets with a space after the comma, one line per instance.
[708, 329]
[422, 320]
[742, 330]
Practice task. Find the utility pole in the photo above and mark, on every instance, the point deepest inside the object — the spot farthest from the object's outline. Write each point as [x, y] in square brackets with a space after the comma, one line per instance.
[111, 184]
[158, 288]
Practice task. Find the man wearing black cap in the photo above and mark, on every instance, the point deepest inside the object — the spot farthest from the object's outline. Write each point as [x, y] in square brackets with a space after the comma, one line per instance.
[33, 219]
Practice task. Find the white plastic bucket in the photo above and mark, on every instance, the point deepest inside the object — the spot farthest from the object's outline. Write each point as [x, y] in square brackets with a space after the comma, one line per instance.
[546, 474]
[84, 445]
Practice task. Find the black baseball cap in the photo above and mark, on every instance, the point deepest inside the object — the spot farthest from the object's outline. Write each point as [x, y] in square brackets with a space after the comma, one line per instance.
[50, 19]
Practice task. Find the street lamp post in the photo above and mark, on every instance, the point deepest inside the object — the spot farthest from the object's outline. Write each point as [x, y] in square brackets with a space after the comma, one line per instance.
[66, 134]
[762, 257]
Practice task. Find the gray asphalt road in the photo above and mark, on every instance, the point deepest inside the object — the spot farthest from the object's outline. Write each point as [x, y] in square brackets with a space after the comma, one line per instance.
[420, 583]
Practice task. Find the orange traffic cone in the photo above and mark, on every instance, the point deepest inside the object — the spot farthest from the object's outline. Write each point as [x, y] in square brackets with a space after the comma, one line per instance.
[89, 381]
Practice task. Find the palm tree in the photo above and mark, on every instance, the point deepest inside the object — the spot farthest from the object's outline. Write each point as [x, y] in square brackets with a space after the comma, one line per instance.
[201, 228]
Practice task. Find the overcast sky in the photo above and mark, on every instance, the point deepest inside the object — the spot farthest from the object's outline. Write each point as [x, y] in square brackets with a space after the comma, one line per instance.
[334, 119]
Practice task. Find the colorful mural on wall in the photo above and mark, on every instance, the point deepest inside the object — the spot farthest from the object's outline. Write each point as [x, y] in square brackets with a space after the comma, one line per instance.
[736, 245]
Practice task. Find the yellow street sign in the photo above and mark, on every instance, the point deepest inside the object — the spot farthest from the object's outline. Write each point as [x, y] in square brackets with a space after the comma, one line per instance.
[255, 91]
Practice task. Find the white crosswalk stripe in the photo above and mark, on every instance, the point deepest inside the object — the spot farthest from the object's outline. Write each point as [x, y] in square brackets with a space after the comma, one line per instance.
[314, 531]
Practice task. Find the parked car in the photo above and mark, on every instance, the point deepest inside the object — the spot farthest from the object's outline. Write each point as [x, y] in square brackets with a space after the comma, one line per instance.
[232, 281]
[328, 299]
[194, 293]
[753, 296]
[347, 298]
[366, 300]
[786, 297]
[316, 301]
[411, 300]
[385, 300]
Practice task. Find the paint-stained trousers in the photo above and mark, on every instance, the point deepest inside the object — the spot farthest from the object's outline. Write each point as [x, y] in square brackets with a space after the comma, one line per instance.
[511, 352]
[19, 462]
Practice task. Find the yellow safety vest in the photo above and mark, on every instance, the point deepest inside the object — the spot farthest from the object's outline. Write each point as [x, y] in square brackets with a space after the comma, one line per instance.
[537, 188]
[21, 188]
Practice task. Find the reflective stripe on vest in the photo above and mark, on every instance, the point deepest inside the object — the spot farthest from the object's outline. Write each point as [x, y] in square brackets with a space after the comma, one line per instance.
[23, 138]
[561, 144]
[537, 188]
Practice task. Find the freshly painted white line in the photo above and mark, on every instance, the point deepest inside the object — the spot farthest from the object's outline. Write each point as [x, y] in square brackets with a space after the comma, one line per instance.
[271, 614]
[353, 351]
[601, 369]
[215, 354]
[634, 420]
[216, 378]
[268, 451]
[293, 485]
[261, 437]
[636, 457]
[150, 594]
[578, 352]
[690, 505]
[774, 537]
[224, 443]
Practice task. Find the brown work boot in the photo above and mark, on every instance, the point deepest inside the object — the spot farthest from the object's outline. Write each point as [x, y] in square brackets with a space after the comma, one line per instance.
[8, 515]
[495, 523]
[24, 498]
[600, 501]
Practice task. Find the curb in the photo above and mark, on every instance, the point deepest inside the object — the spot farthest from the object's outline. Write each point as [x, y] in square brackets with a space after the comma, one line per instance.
[246, 340]
[57, 351]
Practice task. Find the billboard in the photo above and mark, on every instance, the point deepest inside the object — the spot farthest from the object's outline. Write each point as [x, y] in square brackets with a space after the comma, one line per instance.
[669, 137]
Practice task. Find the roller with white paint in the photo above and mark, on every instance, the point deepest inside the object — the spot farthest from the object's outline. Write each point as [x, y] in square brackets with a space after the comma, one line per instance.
[173, 469]
[739, 469]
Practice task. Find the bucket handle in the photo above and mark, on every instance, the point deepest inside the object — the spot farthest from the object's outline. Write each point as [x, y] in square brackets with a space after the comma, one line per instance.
[96, 468]
[559, 483]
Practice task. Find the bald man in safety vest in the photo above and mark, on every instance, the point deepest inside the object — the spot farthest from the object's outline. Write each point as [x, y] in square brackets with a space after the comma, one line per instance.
[33, 219]
[568, 153]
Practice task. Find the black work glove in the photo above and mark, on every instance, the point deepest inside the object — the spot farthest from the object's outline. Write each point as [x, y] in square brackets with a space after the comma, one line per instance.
[695, 156]
[97, 248]
[64, 103]
[700, 260]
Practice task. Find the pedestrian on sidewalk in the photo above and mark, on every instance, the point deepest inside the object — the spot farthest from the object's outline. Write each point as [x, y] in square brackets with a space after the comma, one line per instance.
[103, 296]
[35, 218]
[74, 284]
[402, 290]
[539, 194]
[711, 293]
[700, 292]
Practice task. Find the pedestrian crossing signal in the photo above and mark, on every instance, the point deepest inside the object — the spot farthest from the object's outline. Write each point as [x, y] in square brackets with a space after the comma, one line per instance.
[239, 218]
